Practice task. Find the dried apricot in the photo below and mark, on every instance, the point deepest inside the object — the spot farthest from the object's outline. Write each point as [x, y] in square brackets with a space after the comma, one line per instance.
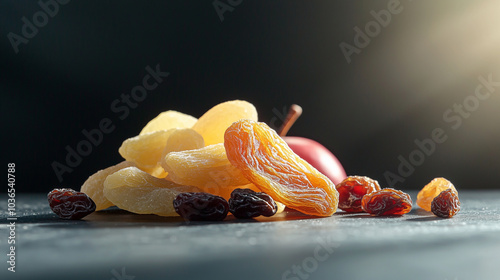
[351, 191]
[431, 190]
[446, 204]
[387, 202]
[168, 120]
[146, 150]
[94, 185]
[215, 121]
[207, 167]
[265, 159]
[183, 140]
[136, 191]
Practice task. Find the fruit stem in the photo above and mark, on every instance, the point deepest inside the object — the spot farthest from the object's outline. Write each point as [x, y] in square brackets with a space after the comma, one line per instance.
[293, 114]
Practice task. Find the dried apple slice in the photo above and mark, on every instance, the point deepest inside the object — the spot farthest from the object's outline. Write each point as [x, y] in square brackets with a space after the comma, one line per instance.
[215, 121]
[168, 120]
[207, 167]
[138, 192]
[94, 185]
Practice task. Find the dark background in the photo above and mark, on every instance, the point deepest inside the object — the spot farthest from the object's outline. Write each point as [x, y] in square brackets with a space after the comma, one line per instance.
[271, 53]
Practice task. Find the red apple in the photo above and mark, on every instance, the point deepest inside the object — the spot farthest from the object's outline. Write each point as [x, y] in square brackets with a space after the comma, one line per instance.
[318, 156]
[311, 151]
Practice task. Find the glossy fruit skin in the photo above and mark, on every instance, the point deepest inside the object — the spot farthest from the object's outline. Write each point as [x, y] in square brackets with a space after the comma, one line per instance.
[387, 202]
[318, 156]
[94, 185]
[351, 191]
[247, 204]
[69, 204]
[217, 119]
[446, 204]
[198, 206]
[207, 168]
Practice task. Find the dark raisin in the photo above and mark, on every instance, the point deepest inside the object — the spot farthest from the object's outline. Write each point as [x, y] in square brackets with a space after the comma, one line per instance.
[387, 202]
[70, 204]
[198, 206]
[446, 204]
[247, 204]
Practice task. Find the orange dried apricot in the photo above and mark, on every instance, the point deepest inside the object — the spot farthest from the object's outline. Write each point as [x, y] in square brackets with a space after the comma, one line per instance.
[431, 190]
[265, 159]
[138, 192]
[94, 185]
[215, 121]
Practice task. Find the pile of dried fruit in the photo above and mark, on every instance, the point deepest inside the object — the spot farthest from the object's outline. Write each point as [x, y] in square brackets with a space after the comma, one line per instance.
[228, 162]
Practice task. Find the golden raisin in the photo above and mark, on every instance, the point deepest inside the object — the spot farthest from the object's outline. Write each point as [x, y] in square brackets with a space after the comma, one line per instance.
[431, 190]
[94, 185]
[265, 159]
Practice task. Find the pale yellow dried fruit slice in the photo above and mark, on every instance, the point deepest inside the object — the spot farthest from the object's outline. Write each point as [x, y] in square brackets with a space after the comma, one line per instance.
[94, 185]
[183, 140]
[207, 167]
[168, 120]
[431, 190]
[215, 121]
[146, 150]
[138, 192]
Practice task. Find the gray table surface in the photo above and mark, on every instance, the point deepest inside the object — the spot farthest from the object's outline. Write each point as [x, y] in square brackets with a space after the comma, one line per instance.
[118, 245]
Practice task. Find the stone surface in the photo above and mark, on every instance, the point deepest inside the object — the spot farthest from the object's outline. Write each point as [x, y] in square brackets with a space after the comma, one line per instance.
[115, 244]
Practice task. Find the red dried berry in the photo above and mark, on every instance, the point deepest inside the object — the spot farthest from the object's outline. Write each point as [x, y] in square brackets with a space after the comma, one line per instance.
[387, 202]
[69, 204]
[247, 204]
[198, 206]
[446, 204]
[351, 191]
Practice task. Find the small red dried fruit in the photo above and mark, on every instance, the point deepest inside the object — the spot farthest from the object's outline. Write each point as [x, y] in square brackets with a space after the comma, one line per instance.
[247, 204]
[69, 204]
[198, 206]
[387, 202]
[351, 191]
[446, 204]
